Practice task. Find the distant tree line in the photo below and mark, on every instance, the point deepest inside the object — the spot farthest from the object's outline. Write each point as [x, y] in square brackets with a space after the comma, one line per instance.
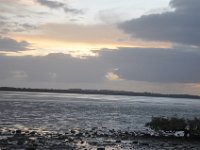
[103, 92]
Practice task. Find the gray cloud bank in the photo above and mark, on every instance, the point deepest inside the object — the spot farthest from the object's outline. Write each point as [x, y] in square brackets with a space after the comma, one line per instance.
[55, 5]
[152, 65]
[8, 44]
[51, 4]
[179, 26]
[53, 67]
[156, 65]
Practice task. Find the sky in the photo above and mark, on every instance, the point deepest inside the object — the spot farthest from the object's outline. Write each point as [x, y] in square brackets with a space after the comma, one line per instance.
[131, 45]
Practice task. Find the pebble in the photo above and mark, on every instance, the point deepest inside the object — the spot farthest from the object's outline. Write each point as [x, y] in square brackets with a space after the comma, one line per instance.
[100, 148]
[118, 141]
[18, 131]
[33, 139]
[135, 142]
[144, 144]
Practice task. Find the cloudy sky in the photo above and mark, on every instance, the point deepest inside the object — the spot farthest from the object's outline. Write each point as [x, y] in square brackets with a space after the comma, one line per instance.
[134, 45]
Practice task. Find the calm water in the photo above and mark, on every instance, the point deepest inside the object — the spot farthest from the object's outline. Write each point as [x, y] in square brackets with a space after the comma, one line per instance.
[64, 111]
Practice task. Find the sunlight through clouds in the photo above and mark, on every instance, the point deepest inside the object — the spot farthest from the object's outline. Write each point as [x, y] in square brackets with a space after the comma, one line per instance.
[154, 44]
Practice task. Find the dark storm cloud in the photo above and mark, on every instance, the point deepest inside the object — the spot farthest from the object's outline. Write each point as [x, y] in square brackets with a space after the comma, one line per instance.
[152, 65]
[8, 44]
[54, 67]
[180, 26]
[54, 5]
[156, 65]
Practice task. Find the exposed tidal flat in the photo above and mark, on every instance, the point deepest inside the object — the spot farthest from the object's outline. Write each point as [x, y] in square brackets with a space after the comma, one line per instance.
[89, 139]
[78, 121]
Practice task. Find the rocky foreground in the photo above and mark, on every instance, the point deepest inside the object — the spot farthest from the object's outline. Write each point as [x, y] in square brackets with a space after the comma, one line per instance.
[91, 139]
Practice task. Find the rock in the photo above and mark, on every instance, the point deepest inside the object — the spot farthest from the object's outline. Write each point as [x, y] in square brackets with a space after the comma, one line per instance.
[18, 131]
[100, 148]
[32, 133]
[79, 134]
[21, 142]
[94, 128]
[73, 131]
[112, 131]
[70, 139]
[132, 134]
[179, 134]
[118, 141]
[135, 142]
[144, 144]
[30, 148]
[126, 132]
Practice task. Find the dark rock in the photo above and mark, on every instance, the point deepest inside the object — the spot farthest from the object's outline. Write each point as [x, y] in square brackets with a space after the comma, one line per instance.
[79, 134]
[27, 132]
[18, 131]
[118, 141]
[21, 142]
[126, 132]
[100, 148]
[62, 137]
[41, 140]
[70, 139]
[112, 131]
[133, 133]
[94, 128]
[32, 133]
[135, 142]
[30, 148]
[144, 144]
[73, 131]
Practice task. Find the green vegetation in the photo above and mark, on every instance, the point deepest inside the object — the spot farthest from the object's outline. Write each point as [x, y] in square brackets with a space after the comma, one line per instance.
[191, 127]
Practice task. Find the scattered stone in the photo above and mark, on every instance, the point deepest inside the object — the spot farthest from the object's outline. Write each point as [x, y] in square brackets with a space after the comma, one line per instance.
[135, 142]
[144, 144]
[33, 139]
[32, 133]
[73, 131]
[30, 148]
[18, 131]
[118, 141]
[100, 148]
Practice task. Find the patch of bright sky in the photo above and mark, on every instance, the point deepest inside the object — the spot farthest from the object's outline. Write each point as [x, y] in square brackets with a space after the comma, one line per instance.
[124, 9]
[95, 12]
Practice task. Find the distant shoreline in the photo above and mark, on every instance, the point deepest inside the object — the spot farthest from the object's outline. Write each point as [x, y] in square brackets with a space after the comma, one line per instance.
[101, 92]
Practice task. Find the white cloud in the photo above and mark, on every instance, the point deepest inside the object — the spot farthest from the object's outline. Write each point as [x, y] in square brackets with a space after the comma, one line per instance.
[112, 76]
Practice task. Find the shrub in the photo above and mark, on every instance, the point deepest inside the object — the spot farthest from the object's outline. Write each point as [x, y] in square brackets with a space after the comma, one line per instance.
[167, 124]
[194, 126]
[189, 126]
